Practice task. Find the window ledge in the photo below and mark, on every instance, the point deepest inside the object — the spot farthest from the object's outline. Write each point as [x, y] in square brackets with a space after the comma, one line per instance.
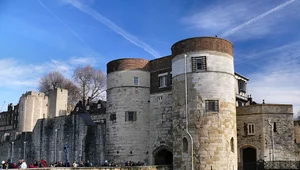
[212, 112]
[162, 87]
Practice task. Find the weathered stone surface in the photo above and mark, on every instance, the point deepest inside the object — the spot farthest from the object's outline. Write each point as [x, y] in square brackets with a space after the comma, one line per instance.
[264, 116]
[128, 140]
[211, 132]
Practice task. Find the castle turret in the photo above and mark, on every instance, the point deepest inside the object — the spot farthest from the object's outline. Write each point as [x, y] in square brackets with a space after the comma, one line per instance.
[204, 113]
[32, 106]
[128, 95]
[58, 101]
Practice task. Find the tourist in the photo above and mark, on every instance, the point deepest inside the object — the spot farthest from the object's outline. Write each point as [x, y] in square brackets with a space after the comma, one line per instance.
[75, 164]
[23, 165]
[87, 163]
[81, 164]
[35, 164]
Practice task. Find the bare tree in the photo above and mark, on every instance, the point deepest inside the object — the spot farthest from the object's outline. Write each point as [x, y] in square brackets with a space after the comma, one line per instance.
[91, 82]
[51, 81]
[54, 80]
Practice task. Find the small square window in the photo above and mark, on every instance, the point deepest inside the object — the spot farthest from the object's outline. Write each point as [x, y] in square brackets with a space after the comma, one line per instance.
[136, 81]
[159, 98]
[212, 105]
[250, 129]
[198, 63]
[113, 117]
[130, 116]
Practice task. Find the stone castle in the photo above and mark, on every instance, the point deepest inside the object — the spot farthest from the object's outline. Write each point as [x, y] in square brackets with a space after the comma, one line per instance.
[189, 109]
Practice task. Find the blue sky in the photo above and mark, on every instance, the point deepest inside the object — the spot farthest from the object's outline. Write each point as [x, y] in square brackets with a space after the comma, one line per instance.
[38, 36]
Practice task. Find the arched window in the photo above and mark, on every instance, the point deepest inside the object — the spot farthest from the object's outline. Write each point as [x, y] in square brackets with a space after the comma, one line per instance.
[185, 145]
[232, 144]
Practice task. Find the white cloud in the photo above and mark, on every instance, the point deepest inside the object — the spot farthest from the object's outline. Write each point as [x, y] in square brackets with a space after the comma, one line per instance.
[278, 81]
[216, 18]
[82, 60]
[131, 38]
[14, 73]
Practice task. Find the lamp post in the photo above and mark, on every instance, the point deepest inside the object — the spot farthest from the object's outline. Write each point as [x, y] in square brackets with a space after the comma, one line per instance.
[24, 156]
[66, 148]
[12, 151]
[55, 141]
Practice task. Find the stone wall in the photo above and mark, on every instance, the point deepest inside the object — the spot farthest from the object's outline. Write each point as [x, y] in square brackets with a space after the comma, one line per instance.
[50, 136]
[271, 122]
[161, 121]
[16, 146]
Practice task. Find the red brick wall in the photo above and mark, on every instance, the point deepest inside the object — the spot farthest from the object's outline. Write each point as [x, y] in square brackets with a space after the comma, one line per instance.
[127, 64]
[202, 43]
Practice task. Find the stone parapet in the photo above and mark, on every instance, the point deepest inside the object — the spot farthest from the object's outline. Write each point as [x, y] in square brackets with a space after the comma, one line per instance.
[265, 109]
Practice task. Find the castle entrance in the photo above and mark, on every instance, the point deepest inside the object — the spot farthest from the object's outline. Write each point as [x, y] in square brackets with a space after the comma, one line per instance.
[163, 157]
[249, 158]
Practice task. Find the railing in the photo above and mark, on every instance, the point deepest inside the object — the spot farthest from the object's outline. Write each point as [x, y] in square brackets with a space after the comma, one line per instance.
[270, 165]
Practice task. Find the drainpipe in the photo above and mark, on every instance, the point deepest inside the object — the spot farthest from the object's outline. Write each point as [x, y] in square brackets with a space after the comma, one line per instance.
[272, 135]
[186, 112]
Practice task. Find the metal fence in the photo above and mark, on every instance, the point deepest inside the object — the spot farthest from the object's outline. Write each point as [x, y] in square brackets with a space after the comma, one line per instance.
[270, 165]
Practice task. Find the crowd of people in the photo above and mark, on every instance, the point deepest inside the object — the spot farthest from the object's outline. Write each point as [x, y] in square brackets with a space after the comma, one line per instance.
[10, 165]
[23, 165]
[127, 163]
[39, 164]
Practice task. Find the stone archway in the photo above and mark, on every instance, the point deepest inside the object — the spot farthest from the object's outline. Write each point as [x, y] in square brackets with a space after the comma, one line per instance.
[163, 156]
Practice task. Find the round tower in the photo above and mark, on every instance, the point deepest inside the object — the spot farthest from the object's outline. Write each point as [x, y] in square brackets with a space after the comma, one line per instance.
[204, 124]
[128, 95]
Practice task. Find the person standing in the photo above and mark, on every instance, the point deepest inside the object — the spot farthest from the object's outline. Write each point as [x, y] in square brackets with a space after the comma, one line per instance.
[23, 165]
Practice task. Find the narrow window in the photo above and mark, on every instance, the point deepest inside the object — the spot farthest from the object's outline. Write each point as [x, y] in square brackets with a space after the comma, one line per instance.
[185, 145]
[251, 129]
[274, 127]
[136, 81]
[170, 78]
[198, 63]
[212, 105]
[232, 144]
[242, 86]
[163, 79]
[130, 116]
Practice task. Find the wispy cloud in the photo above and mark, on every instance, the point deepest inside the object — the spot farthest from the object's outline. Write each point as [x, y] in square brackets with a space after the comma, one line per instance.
[96, 15]
[294, 46]
[243, 19]
[82, 60]
[259, 17]
[62, 22]
[278, 81]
